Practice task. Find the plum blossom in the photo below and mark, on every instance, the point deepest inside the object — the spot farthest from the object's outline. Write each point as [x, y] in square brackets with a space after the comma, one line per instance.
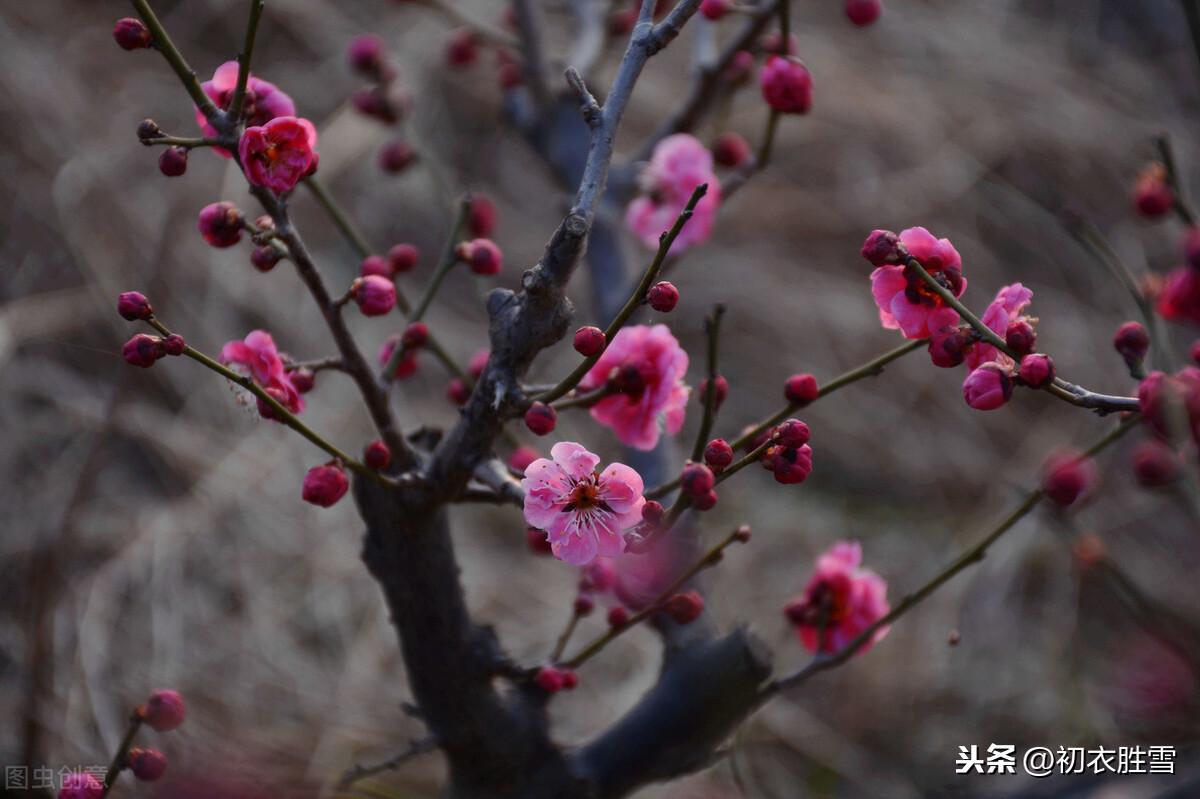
[583, 511]
[644, 366]
[840, 602]
[678, 165]
[1003, 311]
[258, 358]
[264, 100]
[279, 154]
[905, 301]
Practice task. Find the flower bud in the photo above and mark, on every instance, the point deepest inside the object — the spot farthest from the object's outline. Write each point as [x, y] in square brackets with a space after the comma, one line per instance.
[715, 9]
[731, 150]
[987, 387]
[537, 541]
[81, 785]
[589, 341]
[377, 456]
[790, 465]
[863, 12]
[325, 485]
[133, 305]
[521, 457]
[143, 350]
[173, 161]
[549, 679]
[220, 224]
[569, 679]
[457, 391]
[174, 344]
[1132, 342]
[1020, 337]
[373, 101]
[148, 129]
[718, 454]
[265, 257]
[706, 501]
[652, 512]
[786, 85]
[482, 255]
[663, 296]
[722, 389]
[375, 265]
[791, 434]
[740, 69]
[403, 257]
[304, 380]
[146, 764]
[1036, 370]
[618, 617]
[415, 336]
[541, 418]
[1066, 475]
[881, 247]
[584, 605]
[163, 711]
[365, 56]
[696, 479]
[396, 156]
[462, 48]
[684, 608]
[742, 534]
[483, 216]
[1152, 195]
[800, 390]
[132, 34]
[375, 295]
[1155, 463]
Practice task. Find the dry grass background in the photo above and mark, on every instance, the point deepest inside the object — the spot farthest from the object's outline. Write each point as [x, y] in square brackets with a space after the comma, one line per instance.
[172, 517]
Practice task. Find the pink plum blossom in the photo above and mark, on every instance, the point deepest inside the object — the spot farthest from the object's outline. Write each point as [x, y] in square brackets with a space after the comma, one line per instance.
[679, 164]
[584, 512]
[841, 601]
[645, 367]
[258, 358]
[264, 100]
[1005, 309]
[905, 301]
[988, 387]
[279, 154]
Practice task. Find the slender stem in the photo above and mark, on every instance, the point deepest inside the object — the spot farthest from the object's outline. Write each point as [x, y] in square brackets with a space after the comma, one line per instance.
[244, 57]
[418, 747]
[583, 400]
[973, 555]
[635, 299]
[1183, 207]
[709, 558]
[187, 75]
[1191, 10]
[189, 143]
[871, 368]
[712, 326]
[445, 262]
[560, 645]
[318, 365]
[119, 759]
[278, 410]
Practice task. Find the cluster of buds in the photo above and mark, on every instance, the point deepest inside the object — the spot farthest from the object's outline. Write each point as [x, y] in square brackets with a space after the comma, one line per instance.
[789, 457]
[142, 349]
[553, 679]
[383, 98]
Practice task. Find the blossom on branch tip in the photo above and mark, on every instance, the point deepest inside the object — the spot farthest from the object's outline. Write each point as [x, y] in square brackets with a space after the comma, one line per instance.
[416, 335]
[258, 358]
[583, 511]
[407, 365]
[715, 9]
[647, 366]
[396, 156]
[133, 305]
[1067, 475]
[677, 167]
[840, 602]
[1005, 310]
[146, 764]
[81, 785]
[265, 257]
[163, 711]
[375, 265]
[263, 100]
[718, 454]
[789, 457]
[365, 54]
[786, 85]
[905, 302]
[174, 344]
[696, 479]
[325, 485]
[279, 154]
[375, 295]
[988, 387]
[457, 391]
[220, 224]
[1132, 342]
[143, 350]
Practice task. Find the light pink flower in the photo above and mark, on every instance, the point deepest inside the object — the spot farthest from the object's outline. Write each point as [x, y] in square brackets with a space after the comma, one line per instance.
[840, 602]
[584, 512]
[905, 301]
[679, 164]
[264, 100]
[1005, 309]
[278, 154]
[646, 366]
[258, 358]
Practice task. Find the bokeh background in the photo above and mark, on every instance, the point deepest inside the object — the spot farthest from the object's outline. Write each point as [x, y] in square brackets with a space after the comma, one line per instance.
[151, 531]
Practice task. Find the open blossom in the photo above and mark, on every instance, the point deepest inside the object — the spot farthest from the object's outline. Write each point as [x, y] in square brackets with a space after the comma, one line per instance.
[264, 100]
[278, 154]
[645, 366]
[905, 301]
[840, 602]
[679, 164]
[1006, 309]
[258, 358]
[584, 512]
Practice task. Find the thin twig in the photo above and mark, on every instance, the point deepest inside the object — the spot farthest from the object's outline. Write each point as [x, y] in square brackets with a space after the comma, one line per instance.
[588, 107]
[357, 772]
[236, 109]
[119, 760]
[1183, 207]
[712, 328]
[187, 75]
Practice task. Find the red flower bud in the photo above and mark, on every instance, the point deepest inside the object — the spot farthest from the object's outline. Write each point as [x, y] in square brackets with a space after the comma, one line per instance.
[403, 257]
[549, 679]
[265, 257]
[462, 48]
[1036, 370]
[663, 297]
[718, 454]
[1132, 342]
[1067, 475]
[584, 605]
[377, 456]
[863, 12]
[375, 295]
[457, 391]
[652, 512]
[537, 541]
[220, 224]
[173, 161]
[786, 85]
[482, 255]
[722, 387]
[304, 380]
[415, 335]
[521, 457]
[742, 534]
[133, 305]
[163, 711]
[146, 764]
[569, 679]
[706, 501]
[618, 617]
[792, 433]
[800, 390]
[1020, 337]
[365, 55]
[143, 350]
[715, 9]
[731, 150]
[696, 479]
[541, 418]
[325, 485]
[396, 156]
[482, 219]
[589, 341]
[881, 247]
[132, 34]
[174, 344]
[1155, 463]
[684, 608]
[1152, 195]
[375, 265]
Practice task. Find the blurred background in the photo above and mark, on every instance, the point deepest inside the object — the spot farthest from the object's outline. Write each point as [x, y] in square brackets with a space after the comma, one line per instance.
[151, 532]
